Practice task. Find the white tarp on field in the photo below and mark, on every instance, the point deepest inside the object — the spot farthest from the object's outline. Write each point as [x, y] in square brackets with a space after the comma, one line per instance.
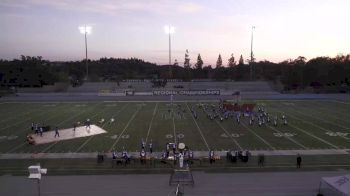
[67, 134]
[341, 184]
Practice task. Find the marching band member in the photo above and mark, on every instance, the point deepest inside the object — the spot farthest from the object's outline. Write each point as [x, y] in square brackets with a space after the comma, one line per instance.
[151, 147]
[143, 156]
[143, 144]
[211, 156]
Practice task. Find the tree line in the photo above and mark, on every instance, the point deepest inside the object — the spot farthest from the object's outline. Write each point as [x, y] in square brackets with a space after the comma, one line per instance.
[296, 73]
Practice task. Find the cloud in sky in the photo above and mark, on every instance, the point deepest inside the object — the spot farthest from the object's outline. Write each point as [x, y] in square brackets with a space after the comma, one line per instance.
[285, 28]
[111, 7]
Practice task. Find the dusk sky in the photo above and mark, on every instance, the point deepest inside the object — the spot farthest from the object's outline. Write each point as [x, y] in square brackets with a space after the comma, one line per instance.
[135, 28]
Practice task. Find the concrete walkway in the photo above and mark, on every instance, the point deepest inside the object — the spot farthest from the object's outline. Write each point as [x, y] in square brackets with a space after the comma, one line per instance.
[238, 184]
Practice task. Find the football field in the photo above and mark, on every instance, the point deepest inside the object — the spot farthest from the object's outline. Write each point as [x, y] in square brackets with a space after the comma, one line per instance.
[312, 124]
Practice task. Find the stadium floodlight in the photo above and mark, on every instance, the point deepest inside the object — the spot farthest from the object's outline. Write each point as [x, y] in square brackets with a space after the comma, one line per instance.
[169, 30]
[86, 30]
[251, 54]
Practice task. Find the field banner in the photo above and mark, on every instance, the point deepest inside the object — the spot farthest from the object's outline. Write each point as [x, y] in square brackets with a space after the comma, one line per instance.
[186, 92]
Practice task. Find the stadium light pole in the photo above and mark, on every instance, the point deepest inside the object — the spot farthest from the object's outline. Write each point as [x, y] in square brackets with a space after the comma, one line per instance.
[169, 30]
[86, 30]
[251, 54]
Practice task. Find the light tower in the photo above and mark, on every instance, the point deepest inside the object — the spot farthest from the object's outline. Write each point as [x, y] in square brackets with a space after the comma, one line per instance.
[169, 30]
[86, 30]
[251, 54]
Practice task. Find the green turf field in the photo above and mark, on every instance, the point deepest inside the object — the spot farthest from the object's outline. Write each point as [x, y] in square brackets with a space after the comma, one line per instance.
[311, 125]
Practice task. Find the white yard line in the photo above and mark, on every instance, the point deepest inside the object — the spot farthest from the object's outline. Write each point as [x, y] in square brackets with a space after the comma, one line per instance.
[262, 139]
[126, 126]
[25, 120]
[310, 134]
[174, 128]
[150, 124]
[90, 138]
[198, 128]
[329, 122]
[72, 117]
[17, 147]
[229, 135]
[315, 125]
[50, 146]
[10, 117]
[337, 112]
[314, 136]
[336, 101]
[289, 138]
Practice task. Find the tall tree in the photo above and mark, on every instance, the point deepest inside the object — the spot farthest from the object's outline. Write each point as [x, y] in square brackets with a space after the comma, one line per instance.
[176, 63]
[219, 62]
[300, 60]
[241, 61]
[199, 63]
[187, 60]
[231, 61]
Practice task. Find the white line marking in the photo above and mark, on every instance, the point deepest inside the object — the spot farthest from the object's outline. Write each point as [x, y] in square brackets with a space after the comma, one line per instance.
[50, 146]
[228, 134]
[72, 117]
[329, 122]
[20, 115]
[327, 109]
[262, 139]
[174, 128]
[126, 126]
[90, 138]
[314, 136]
[198, 128]
[233, 139]
[25, 120]
[17, 147]
[346, 103]
[150, 124]
[310, 134]
[289, 138]
[315, 125]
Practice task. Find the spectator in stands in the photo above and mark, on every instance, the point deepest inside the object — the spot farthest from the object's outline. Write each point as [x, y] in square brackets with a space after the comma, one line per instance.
[151, 147]
[143, 156]
[211, 157]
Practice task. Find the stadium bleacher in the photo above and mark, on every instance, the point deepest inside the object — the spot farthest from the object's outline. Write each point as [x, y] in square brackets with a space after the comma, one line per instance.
[146, 86]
